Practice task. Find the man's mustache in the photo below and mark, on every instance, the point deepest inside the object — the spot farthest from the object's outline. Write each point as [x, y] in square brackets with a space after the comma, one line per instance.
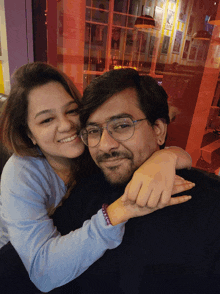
[114, 154]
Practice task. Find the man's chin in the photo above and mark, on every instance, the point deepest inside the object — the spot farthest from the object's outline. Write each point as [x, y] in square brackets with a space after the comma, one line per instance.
[116, 178]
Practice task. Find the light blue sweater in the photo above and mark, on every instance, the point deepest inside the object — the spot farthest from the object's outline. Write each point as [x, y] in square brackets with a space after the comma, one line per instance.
[29, 188]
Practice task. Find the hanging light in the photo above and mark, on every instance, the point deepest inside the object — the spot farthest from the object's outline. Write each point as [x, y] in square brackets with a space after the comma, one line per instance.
[215, 15]
[202, 35]
[214, 20]
[144, 22]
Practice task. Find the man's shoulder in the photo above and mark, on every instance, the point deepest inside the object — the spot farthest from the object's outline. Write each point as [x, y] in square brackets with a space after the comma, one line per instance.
[198, 174]
[205, 202]
[201, 178]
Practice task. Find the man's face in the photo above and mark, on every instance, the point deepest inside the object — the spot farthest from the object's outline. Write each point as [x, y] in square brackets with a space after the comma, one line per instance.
[119, 160]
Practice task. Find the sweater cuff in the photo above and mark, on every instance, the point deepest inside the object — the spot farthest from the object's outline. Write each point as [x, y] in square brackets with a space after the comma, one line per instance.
[113, 235]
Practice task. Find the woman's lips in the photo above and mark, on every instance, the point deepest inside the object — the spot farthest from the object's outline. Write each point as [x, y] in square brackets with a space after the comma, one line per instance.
[68, 139]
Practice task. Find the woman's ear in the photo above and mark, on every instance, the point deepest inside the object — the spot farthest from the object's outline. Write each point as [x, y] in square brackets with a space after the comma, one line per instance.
[30, 136]
[160, 129]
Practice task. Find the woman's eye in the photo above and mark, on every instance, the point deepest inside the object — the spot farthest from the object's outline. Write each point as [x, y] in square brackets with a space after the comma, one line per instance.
[47, 120]
[73, 111]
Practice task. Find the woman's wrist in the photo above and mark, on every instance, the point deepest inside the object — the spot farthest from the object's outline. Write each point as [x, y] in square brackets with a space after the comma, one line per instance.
[164, 156]
[117, 212]
[105, 214]
[183, 160]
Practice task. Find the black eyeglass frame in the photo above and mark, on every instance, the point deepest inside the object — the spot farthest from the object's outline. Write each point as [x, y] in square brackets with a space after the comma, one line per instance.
[109, 132]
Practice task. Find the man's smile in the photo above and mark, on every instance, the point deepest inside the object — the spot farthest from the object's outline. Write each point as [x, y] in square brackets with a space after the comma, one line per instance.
[112, 161]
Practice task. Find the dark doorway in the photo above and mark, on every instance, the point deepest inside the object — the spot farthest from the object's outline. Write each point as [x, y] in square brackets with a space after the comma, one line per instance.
[39, 30]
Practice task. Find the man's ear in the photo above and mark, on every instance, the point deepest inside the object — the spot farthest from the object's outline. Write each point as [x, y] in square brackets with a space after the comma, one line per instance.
[160, 129]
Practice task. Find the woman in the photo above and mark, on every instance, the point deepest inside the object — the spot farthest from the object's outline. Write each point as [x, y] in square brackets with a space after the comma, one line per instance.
[40, 126]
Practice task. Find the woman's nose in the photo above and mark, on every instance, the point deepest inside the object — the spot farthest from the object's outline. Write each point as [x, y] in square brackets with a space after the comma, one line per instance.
[65, 124]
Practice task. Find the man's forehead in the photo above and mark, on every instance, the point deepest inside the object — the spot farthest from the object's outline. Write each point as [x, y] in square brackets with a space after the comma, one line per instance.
[121, 104]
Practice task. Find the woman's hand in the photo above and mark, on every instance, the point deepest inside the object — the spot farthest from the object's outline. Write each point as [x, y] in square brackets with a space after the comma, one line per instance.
[155, 181]
[122, 210]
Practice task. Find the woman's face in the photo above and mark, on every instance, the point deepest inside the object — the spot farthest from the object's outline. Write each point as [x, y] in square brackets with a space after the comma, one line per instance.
[53, 121]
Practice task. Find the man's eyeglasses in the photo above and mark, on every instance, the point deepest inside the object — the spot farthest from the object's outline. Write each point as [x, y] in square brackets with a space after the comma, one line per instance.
[120, 129]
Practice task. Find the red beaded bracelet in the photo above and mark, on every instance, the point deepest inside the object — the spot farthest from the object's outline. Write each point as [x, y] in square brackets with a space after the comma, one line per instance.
[104, 211]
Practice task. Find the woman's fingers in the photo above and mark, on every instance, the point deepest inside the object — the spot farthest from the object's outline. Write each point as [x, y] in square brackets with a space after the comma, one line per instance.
[134, 210]
[156, 194]
[137, 189]
[181, 185]
[179, 200]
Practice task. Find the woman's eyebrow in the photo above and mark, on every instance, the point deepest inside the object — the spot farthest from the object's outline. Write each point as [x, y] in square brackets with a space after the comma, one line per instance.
[43, 112]
[51, 110]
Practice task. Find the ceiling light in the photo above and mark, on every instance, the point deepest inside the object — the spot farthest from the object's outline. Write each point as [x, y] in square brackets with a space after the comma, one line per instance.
[202, 35]
[144, 22]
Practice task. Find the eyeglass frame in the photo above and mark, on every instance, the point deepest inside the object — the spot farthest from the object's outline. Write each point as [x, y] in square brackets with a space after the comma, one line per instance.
[106, 127]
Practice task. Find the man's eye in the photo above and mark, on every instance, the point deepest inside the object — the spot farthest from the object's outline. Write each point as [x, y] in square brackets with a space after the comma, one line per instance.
[122, 126]
[92, 131]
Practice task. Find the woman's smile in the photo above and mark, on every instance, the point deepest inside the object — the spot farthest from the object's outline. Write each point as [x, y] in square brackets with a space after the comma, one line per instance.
[68, 139]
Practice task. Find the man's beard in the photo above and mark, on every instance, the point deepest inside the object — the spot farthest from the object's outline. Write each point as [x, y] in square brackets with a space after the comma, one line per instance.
[115, 174]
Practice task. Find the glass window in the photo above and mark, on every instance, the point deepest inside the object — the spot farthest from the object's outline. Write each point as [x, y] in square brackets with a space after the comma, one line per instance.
[186, 66]
[120, 6]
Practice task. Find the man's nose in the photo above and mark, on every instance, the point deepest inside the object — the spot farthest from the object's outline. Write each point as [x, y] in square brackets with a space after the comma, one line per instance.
[107, 143]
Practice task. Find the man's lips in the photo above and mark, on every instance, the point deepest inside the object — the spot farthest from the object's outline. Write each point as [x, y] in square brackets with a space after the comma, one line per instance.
[112, 161]
[112, 157]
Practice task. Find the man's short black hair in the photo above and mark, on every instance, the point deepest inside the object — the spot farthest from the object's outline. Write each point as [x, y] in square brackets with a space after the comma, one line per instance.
[152, 97]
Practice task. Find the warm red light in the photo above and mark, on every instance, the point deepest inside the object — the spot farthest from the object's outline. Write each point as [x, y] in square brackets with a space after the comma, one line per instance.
[120, 66]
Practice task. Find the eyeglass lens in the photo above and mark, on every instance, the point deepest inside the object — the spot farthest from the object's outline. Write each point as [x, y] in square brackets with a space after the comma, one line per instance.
[121, 129]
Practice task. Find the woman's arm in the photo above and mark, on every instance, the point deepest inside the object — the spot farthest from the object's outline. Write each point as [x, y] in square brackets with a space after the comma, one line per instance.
[183, 160]
[51, 260]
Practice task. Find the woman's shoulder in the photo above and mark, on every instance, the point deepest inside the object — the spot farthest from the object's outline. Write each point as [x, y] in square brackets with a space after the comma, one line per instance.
[33, 174]
[27, 169]
[16, 164]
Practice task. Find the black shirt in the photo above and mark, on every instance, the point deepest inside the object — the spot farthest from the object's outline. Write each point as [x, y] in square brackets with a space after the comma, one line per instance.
[173, 250]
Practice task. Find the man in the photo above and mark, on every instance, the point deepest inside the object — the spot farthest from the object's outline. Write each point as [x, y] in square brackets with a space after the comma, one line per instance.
[173, 250]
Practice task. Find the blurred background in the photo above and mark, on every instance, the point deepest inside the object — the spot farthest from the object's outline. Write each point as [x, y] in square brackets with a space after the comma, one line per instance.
[175, 41]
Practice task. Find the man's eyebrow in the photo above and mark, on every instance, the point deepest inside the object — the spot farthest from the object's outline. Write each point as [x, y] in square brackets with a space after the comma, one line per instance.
[51, 110]
[92, 124]
[120, 115]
